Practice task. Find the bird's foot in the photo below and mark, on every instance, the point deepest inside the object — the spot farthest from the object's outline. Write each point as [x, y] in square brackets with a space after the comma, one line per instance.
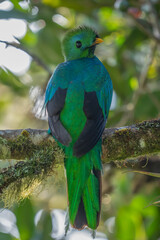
[93, 234]
[66, 222]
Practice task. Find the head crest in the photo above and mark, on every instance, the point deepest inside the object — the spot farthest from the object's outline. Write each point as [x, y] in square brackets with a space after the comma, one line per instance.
[77, 30]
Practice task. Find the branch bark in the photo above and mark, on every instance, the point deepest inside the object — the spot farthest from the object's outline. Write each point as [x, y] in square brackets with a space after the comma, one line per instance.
[41, 153]
[118, 143]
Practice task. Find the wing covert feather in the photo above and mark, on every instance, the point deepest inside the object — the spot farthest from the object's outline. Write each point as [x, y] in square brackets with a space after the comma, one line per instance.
[93, 128]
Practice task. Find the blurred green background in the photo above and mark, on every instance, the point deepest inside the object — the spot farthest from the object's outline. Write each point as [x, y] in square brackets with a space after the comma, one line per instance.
[131, 54]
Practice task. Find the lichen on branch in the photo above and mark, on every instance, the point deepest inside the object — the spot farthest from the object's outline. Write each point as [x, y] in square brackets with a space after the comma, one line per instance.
[131, 141]
[40, 156]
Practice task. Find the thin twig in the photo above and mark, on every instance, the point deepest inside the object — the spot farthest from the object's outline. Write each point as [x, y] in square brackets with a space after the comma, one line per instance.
[155, 19]
[146, 31]
[34, 57]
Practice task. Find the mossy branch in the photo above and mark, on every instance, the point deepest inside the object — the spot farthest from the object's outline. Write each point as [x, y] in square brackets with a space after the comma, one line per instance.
[118, 143]
[131, 141]
[40, 154]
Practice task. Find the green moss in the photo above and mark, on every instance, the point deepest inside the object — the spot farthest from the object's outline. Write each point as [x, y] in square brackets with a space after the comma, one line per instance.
[149, 124]
[140, 139]
[22, 146]
[123, 131]
[25, 133]
[3, 141]
[4, 149]
[17, 191]
[114, 144]
[19, 181]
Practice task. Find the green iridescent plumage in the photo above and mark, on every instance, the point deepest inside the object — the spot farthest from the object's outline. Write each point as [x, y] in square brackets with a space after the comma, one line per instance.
[78, 98]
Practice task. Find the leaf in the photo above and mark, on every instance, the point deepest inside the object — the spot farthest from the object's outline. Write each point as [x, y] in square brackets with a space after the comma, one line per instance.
[145, 107]
[12, 81]
[125, 231]
[4, 236]
[44, 227]
[25, 219]
[17, 6]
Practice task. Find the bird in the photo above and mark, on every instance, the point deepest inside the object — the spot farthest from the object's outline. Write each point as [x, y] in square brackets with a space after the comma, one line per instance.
[77, 99]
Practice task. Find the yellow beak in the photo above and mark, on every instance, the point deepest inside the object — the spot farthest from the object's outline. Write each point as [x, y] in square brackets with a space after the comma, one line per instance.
[97, 41]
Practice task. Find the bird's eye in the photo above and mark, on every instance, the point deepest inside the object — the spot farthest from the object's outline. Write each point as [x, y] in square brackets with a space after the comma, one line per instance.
[78, 44]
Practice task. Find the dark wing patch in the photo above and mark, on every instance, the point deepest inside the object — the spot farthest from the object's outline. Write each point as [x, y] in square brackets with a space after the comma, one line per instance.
[93, 128]
[54, 107]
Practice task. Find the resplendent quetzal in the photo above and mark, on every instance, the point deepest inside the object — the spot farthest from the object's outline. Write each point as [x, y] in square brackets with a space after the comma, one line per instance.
[78, 99]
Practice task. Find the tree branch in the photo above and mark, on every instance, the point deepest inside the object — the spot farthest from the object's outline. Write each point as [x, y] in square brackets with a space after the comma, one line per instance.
[41, 153]
[140, 25]
[34, 57]
[118, 143]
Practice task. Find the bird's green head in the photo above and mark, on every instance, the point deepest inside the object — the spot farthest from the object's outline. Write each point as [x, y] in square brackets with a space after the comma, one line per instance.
[79, 43]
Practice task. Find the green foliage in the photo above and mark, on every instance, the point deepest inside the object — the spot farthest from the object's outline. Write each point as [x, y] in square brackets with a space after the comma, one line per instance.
[140, 222]
[44, 227]
[130, 54]
[12, 81]
[5, 236]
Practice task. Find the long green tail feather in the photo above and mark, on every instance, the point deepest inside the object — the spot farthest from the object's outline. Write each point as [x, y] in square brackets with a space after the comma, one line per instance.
[83, 187]
[93, 187]
[74, 202]
[78, 171]
[91, 213]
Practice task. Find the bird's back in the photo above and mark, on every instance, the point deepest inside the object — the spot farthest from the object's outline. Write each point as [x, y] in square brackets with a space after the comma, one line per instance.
[83, 75]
